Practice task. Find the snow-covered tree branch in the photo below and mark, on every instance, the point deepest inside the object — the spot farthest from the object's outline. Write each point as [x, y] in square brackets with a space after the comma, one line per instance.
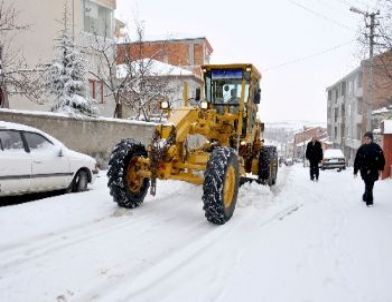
[66, 76]
[15, 76]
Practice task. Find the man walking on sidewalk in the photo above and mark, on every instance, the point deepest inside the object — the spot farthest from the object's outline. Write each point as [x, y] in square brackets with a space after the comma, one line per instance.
[314, 154]
[370, 162]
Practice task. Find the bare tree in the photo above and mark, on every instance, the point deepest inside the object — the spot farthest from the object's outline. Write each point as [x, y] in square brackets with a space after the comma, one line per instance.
[15, 76]
[129, 76]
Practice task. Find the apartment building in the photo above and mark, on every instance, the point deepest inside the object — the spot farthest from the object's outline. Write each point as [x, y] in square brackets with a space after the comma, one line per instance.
[37, 43]
[351, 100]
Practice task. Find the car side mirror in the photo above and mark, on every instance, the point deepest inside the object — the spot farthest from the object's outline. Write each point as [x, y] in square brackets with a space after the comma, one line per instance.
[197, 97]
[60, 153]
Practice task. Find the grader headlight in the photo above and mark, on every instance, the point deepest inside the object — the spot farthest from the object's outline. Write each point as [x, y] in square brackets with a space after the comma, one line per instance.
[164, 104]
[204, 105]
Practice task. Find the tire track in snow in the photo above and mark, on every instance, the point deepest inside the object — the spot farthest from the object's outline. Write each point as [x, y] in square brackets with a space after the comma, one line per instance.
[176, 262]
[50, 243]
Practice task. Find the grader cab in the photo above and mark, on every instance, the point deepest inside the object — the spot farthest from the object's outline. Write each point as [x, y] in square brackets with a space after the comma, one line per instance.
[231, 151]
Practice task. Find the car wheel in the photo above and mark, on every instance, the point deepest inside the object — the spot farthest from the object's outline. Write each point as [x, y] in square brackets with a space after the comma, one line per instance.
[80, 181]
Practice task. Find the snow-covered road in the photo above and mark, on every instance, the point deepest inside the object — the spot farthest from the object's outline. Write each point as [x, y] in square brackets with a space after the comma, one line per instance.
[302, 241]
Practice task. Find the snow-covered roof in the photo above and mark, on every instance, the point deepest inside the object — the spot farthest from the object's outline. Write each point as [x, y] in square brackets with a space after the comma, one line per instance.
[382, 110]
[156, 68]
[15, 126]
[22, 127]
[302, 144]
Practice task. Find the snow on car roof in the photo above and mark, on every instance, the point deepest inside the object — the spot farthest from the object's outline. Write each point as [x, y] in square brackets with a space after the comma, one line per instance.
[329, 153]
[21, 127]
[15, 126]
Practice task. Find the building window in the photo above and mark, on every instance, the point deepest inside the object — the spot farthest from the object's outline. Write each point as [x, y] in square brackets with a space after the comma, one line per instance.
[96, 90]
[350, 87]
[359, 131]
[343, 89]
[359, 105]
[98, 19]
[359, 79]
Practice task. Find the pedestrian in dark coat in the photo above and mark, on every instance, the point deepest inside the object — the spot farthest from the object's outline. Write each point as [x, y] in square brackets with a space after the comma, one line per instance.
[370, 162]
[314, 153]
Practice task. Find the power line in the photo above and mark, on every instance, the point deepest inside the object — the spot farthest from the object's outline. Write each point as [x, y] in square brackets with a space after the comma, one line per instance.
[321, 15]
[356, 2]
[317, 54]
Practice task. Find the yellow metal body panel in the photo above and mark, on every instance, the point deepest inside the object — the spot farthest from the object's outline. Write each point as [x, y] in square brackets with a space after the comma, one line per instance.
[227, 129]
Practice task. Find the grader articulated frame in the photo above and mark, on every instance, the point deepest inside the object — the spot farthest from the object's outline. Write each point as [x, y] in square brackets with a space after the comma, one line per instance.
[232, 149]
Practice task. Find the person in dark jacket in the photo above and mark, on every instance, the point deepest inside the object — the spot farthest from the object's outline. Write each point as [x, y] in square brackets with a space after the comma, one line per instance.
[370, 162]
[314, 153]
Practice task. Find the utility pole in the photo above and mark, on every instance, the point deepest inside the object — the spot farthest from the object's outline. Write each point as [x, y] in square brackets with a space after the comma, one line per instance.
[367, 116]
[73, 21]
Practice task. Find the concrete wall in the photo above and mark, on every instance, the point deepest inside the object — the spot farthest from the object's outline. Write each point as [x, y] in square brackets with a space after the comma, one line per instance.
[95, 137]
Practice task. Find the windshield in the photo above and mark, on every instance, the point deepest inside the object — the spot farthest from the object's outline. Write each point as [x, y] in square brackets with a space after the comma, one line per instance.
[224, 87]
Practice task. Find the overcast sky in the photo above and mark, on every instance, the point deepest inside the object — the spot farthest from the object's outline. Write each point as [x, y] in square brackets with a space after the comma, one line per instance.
[300, 46]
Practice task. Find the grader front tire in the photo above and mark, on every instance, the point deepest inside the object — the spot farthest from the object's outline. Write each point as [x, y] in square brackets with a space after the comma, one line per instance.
[126, 187]
[220, 188]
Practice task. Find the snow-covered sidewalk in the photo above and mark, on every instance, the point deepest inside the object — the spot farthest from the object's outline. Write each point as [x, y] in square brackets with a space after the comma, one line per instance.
[302, 241]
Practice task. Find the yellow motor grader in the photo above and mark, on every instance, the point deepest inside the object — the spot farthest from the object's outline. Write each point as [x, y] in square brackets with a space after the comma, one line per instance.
[231, 150]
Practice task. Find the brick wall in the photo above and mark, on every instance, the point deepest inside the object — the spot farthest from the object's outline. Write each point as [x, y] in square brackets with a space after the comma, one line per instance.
[382, 75]
[174, 52]
[387, 147]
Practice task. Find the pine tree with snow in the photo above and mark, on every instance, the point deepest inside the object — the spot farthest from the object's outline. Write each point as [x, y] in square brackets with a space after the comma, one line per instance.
[66, 78]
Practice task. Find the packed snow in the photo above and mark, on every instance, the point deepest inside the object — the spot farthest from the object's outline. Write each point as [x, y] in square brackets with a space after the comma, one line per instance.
[300, 241]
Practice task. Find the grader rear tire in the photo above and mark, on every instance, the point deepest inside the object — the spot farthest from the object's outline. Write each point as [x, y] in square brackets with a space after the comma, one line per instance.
[220, 188]
[268, 165]
[127, 189]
